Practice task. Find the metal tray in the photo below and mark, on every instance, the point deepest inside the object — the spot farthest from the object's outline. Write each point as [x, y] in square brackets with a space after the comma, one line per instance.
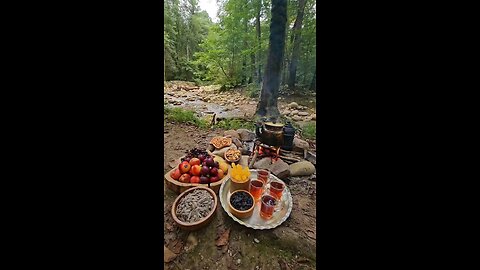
[255, 221]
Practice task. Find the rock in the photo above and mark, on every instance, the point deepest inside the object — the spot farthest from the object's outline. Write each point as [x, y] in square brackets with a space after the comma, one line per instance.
[221, 152]
[246, 135]
[191, 99]
[210, 147]
[293, 105]
[237, 142]
[300, 144]
[314, 116]
[239, 261]
[297, 118]
[302, 168]
[243, 161]
[295, 112]
[232, 133]
[280, 168]
[168, 255]
[256, 240]
[263, 163]
[303, 113]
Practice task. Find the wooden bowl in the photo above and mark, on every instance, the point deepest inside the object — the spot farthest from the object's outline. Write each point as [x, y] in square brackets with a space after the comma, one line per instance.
[234, 186]
[242, 214]
[201, 223]
[232, 161]
[179, 187]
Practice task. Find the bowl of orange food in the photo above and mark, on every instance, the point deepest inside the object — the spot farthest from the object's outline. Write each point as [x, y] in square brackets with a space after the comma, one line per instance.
[240, 178]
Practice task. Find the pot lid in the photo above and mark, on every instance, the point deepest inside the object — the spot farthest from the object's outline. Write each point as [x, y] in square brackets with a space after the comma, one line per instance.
[271, 124]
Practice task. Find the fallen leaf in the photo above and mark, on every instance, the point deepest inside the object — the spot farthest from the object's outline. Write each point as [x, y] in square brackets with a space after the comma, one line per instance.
[223, 238]
[176, 246]
[311, 234]
[168, 255]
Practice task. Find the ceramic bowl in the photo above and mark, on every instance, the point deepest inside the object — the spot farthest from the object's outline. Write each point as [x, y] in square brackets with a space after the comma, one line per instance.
[202, 222]
[242, 214]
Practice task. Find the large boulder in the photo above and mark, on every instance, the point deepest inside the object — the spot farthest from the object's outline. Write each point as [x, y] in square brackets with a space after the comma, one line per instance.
[280, 168]
[263, 163]
[314, 116]
[302, 168]
[299, 144]
[295, 112]
[246, 135]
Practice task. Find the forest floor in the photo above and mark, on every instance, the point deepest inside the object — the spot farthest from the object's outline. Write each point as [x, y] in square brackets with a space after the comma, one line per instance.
[225, 244]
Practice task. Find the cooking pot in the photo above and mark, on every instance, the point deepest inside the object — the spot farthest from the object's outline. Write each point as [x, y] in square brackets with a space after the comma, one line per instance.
[270, 133]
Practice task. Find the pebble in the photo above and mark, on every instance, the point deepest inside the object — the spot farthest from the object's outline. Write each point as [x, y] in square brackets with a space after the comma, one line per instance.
[239, 261]
[256, 240]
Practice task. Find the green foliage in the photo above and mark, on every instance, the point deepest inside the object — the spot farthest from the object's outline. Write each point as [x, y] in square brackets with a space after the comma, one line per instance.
[236, 123]
[180, 115]
[253, 90]
[309, 130]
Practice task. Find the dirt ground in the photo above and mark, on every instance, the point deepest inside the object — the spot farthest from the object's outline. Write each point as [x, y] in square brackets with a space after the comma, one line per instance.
[225, 244]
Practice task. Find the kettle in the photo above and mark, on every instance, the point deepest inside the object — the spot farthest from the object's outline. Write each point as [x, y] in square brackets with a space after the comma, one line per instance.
[288, 135]
[270, 133]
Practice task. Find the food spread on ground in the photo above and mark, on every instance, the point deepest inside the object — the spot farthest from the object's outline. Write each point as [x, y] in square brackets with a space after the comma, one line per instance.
[195, 206]
[220, 142]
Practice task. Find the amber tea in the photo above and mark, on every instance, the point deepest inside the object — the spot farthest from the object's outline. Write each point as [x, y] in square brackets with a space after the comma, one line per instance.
[268, 206]
[256, 189]
[276, 189]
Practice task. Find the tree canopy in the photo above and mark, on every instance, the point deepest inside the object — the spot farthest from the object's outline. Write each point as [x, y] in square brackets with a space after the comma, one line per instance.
[234, 50]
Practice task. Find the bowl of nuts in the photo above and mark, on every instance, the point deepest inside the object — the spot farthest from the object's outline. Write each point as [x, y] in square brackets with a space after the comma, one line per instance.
[233, 155]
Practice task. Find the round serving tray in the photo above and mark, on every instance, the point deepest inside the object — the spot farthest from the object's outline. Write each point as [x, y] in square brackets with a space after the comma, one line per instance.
[255, 221]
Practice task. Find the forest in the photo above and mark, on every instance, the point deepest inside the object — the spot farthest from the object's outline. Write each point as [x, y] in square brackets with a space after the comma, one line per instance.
[233, 51]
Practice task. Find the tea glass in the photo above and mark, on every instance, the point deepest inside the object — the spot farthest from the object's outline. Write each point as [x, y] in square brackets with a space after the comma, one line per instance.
[256, 189]
[263, 175]
[276, 189]
[268, 206]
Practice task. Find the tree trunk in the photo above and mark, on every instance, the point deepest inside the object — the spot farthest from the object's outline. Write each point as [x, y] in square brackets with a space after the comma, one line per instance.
[259, 42]
[252, 68]
[245, 46]
[313, 84]
[267, 106]
[285, 62]
[297, 27]
[164, 70]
